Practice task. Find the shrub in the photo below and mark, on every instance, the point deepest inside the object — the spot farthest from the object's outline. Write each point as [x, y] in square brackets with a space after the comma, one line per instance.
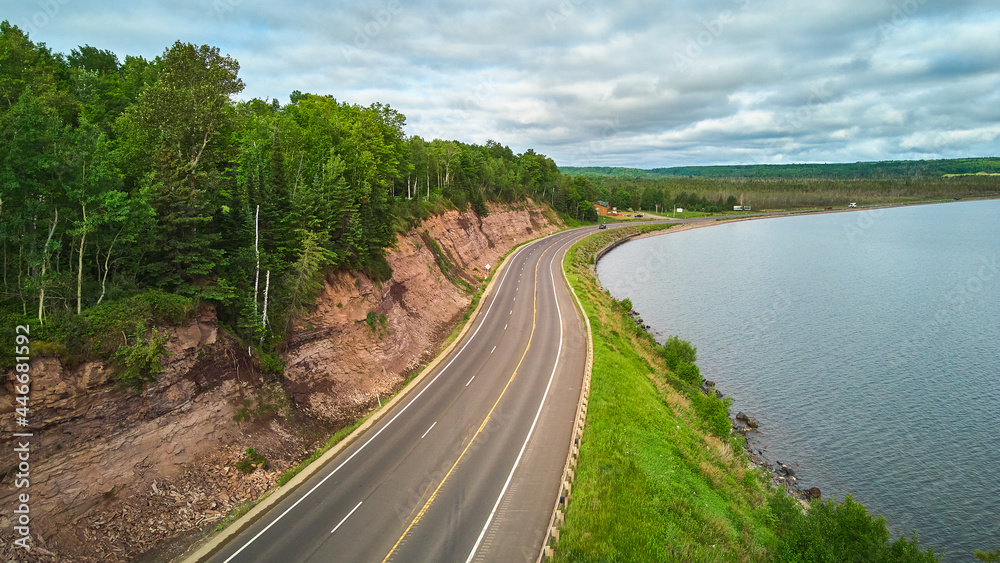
[689, 373]
[251, 461]
[376, 267]
[139, 363]
[714, 412]
[107, 322]
[833, 532]
[67, 331]
[243, 413]
[271, 363]
[675, 351]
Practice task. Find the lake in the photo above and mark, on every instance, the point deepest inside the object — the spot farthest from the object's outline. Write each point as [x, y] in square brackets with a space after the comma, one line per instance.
[866, 343]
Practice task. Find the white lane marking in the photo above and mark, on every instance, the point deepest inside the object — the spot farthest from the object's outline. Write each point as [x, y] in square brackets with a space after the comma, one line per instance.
[429, 429]
[387, 424]
[345, 518]
[531, 430]
[505, 327]
[470, 381]
[511, 312]
[494, 349]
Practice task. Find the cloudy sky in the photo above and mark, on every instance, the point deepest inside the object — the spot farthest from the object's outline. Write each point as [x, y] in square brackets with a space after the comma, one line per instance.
[634, 83]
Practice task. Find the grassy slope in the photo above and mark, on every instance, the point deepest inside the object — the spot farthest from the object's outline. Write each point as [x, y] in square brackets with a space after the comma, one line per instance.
[652, 484]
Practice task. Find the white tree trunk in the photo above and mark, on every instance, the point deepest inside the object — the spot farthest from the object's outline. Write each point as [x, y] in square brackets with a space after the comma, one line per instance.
[256, 250]
[267, 286]
[107, 262]
[45, 262]
[79, 271]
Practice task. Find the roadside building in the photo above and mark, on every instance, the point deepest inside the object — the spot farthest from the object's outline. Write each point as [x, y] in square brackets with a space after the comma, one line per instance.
[602, 208]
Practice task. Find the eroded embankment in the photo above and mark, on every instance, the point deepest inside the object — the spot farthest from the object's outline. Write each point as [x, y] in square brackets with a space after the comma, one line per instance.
[117, 476]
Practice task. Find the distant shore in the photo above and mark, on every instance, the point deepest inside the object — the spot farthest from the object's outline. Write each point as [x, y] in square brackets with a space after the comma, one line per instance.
[688, 224]
[780, 474]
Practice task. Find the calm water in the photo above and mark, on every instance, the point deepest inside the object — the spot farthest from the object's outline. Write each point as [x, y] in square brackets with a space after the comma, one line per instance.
[866, 343]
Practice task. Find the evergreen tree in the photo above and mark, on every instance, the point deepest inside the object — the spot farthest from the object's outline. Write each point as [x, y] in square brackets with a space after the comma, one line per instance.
[184, 121]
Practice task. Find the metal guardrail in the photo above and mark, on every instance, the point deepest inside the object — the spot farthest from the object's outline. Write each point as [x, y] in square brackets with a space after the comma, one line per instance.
[566, 487]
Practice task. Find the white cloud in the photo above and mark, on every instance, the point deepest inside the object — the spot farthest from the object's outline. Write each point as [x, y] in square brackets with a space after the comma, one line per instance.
[635, 83]
[935, 141]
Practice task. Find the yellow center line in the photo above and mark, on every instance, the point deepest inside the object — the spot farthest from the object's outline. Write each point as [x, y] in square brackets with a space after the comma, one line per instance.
[433, 496]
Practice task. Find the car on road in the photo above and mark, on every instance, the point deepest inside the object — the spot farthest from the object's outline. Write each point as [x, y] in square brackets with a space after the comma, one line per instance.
[603, 226]
[638, 214]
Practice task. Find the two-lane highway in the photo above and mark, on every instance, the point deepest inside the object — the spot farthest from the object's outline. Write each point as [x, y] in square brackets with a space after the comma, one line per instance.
[468, 466]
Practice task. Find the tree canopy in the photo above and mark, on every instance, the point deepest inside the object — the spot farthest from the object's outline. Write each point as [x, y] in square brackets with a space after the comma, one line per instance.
[124, 176]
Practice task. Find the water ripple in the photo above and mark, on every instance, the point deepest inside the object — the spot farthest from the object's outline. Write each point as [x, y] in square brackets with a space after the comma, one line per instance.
[872, 361]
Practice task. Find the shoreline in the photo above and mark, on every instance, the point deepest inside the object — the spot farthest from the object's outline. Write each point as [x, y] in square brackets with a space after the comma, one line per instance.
[688, 224]
[781, 475]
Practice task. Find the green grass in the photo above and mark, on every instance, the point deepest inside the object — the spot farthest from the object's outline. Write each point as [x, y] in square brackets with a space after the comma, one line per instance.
[657, 482]
[690, 214]
[445, 263]
[651, 484]
[318, 453]
[235, 515]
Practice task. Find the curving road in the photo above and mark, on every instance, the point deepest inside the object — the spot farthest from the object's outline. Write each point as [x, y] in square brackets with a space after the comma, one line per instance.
[467, 467]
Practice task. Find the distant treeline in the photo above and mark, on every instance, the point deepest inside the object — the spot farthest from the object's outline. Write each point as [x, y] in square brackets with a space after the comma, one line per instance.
[125, 178]
[847, 171]
[714, 195]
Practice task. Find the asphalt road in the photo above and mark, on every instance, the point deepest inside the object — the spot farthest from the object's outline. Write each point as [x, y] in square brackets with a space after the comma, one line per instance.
[468, 466]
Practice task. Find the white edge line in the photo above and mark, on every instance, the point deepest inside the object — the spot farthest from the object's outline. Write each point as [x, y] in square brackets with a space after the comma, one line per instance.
[345, 518]
[387, 424]
[531, 430]
[428, 430]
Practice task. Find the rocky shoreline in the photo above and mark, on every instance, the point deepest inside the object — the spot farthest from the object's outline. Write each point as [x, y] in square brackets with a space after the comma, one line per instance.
[782, 476]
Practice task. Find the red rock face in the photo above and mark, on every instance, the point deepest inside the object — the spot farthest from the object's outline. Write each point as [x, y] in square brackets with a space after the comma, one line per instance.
[115, 474]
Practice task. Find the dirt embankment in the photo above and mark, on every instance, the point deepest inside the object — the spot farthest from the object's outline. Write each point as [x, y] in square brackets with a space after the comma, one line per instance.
[116, 476]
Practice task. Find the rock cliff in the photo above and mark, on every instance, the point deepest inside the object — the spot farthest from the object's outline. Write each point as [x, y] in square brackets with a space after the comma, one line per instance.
[120, 476]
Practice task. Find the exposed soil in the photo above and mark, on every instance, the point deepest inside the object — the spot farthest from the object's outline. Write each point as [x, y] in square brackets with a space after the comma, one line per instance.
[117, 476]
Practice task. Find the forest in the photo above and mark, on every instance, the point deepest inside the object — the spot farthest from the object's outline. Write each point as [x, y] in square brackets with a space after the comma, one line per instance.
[715, 195]
[715, 189]
[149, 185]
[843, 171]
